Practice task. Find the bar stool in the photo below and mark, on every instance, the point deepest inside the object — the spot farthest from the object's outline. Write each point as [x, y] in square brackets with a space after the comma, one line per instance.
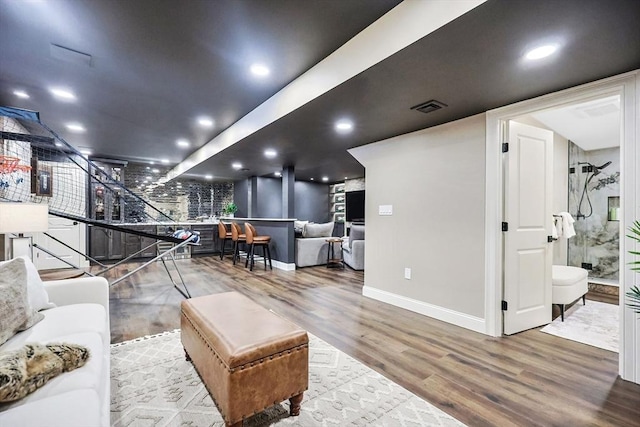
[224, 235]
[254, 240]
[238, 237]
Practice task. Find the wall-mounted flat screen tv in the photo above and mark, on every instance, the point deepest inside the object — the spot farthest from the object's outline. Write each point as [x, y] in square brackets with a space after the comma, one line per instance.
[354, 201]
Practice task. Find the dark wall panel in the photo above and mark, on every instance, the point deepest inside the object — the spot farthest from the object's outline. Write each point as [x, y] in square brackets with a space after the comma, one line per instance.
[312, 201]
[269, 198]
[240, 197]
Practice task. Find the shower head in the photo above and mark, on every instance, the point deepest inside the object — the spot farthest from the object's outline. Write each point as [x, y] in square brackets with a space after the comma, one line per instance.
[602, 166]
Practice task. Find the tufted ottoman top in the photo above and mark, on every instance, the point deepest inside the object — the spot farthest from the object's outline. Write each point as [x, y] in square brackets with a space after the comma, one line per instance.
[239, 330]
[565, 275]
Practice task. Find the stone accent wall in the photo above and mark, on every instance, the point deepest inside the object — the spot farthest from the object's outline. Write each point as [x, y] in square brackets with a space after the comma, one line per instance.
[597, 239]
[182, 198]
[355, 184]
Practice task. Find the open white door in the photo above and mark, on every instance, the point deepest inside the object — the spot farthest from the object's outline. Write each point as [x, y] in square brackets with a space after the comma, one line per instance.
[65, 230]
[528, 212]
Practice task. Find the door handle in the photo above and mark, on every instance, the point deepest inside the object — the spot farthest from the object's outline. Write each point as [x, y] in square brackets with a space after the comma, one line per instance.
[550, 239]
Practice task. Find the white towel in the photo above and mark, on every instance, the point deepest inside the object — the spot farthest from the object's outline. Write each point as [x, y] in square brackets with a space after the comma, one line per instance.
[567, 225]
[554, 229]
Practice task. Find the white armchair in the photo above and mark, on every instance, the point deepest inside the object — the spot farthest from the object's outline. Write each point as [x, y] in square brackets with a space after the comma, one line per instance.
[353, 249]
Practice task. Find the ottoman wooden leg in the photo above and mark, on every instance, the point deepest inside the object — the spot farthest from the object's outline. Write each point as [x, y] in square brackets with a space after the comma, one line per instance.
[238, 424]
[295, 402]
[186, 356]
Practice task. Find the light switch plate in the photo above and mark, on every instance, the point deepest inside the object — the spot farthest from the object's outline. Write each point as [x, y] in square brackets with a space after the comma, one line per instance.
[385, 210]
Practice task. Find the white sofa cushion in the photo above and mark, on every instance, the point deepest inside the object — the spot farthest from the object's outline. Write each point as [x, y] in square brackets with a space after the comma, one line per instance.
[298, 226]
[78, 408]
[16, 313]
[88, 376]
[356, 233]
[318, 230]
[38, 297]
[63, 321]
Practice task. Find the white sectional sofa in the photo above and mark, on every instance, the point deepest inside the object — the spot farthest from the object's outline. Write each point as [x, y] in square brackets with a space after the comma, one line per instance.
[312, 247]
[79, 398]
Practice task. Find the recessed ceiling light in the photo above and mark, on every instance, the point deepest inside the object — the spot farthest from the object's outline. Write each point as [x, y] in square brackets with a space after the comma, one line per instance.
[208, 177]
[155, 170]
[148, 167]
[86, 152]
[311, 179]
[277, 173]
[344, 126]
[270, 153]
[182, 143]
[541, 52]
[151, 163]
[75, 127]
[164, 161]
[346, 177]
[260, 70]
[21, 94]
[205, 122]
[325, 178]
[63, 94]
[237, 165]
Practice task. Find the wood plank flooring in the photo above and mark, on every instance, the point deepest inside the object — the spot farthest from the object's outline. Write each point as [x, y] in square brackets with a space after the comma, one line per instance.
[529, 379]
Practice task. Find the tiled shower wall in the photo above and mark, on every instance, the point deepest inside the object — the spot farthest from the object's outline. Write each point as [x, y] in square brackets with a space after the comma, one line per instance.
[597, 240]
[181, 198]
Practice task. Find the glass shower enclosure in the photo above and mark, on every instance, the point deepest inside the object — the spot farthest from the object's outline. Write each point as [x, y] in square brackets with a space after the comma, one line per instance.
[594, 203]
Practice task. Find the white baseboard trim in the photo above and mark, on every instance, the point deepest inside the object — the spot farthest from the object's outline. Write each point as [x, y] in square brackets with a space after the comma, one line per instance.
[463, 320]
[284, 266]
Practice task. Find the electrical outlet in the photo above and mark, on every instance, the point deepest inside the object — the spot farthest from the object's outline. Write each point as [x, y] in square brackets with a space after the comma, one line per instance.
[407, 273]
[587, 266]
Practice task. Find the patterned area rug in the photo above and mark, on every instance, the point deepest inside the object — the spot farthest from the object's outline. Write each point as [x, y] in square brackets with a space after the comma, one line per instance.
[153, 385]
[595, 323]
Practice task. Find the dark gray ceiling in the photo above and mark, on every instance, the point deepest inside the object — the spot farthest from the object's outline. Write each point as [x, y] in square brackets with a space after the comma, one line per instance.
[156, 68]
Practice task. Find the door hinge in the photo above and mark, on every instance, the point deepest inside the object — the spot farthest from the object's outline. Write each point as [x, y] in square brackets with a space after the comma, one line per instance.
[504, 306]
[505, 147]
[505, 226]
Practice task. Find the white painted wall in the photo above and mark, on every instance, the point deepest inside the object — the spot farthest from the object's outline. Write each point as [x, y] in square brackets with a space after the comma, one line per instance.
[434, 179]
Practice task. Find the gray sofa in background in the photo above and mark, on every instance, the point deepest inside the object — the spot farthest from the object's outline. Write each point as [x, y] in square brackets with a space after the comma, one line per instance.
[312, 247]
[353, 248]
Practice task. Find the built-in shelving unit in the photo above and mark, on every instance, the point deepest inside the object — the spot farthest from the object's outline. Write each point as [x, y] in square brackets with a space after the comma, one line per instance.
[337, 202]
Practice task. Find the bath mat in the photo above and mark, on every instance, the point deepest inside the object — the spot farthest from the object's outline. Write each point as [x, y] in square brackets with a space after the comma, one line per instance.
[595, 324]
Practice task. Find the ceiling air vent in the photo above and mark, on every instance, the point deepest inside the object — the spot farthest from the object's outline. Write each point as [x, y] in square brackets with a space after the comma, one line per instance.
[429, 106]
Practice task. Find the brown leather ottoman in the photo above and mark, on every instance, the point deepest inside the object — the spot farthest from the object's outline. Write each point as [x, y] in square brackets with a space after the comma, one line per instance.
[248, 357]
